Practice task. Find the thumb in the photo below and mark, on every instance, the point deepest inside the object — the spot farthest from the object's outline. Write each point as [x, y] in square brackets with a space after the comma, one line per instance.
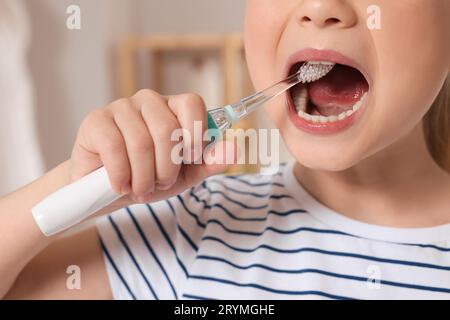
[217, 158]
[83, 162]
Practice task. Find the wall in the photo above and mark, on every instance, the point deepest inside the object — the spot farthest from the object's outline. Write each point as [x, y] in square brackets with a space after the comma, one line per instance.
[181, 16]
[73, 71]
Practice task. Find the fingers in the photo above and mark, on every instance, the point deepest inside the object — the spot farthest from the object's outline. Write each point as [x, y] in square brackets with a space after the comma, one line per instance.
[132, 138]
[108, 142]
[139, 145]
[161, 123]
[146, 122]
[191, 114]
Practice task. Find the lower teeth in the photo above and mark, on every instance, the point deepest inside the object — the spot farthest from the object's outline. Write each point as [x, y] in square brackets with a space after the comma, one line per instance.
[301, 101]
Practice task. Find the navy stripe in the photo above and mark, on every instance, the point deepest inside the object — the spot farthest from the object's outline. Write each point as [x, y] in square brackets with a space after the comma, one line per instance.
[274, 196]
[280, 196]
[323, 272]
[130, 253]
[228, 212]
[267, 195]
[243, 205]
[286, 213]
[199, 223]
[191, 296]
[255, 184]
[291, 212]
[332, 253]
[203, 225]
[183, 233]
[233, 216]
[113, 264]
[254, 233]
[277, 291]
[275, 230]
[427, 246]
[253, 194]
[169, 241]
[150, 249]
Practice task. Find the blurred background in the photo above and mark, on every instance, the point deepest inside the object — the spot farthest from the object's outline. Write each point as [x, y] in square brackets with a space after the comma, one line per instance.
[52, 76]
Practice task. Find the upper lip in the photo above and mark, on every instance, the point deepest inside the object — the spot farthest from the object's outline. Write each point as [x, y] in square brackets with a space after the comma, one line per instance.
[311, 54]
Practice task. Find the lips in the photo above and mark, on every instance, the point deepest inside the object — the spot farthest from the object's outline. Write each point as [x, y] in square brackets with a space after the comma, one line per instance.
[332, 103]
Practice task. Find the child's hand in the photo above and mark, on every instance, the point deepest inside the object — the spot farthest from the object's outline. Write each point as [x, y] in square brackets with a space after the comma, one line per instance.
[132, 139]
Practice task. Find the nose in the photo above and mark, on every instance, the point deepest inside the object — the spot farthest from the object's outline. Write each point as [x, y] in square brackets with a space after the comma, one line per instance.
[327, 14]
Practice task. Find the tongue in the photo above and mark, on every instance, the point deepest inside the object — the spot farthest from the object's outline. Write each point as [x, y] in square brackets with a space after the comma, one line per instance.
[338, 91]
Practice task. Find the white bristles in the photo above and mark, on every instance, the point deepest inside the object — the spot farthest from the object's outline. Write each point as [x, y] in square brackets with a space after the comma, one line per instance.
[314, 70]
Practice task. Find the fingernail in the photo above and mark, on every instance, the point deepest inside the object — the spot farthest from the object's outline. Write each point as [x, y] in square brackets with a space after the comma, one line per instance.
[145, 197]
[164, 187]
[126, 189]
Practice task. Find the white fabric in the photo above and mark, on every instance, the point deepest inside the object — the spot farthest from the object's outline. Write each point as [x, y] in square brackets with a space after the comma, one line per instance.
[20, 159]
[265, 237]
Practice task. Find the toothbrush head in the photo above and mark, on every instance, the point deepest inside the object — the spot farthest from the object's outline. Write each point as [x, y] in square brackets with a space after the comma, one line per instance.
[314, 70]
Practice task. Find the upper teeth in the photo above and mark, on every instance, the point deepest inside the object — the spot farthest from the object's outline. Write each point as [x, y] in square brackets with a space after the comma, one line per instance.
[314, 70]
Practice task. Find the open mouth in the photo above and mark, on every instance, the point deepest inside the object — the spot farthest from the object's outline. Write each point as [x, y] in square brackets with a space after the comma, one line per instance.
[331, 98]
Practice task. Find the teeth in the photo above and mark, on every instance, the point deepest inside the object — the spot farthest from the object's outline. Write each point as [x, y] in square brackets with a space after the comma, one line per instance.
[301, 99]
[323, 119]
[314, 70]
[359, 104]
[315, 118]
[332, 118]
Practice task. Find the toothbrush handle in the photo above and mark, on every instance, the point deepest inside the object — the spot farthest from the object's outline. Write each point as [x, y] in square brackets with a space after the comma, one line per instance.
[74, 202]
[79, 200]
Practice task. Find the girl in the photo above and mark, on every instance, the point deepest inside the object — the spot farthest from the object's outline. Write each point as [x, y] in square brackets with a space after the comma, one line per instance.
[363, 212]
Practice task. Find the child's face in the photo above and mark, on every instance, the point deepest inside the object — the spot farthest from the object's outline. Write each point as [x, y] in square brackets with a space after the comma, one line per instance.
[401, 66]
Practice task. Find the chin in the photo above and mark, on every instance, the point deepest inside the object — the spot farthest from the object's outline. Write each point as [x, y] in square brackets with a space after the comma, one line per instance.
[325, 161]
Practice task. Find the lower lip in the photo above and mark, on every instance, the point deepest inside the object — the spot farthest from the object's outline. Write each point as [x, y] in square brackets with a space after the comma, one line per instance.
[318, 128]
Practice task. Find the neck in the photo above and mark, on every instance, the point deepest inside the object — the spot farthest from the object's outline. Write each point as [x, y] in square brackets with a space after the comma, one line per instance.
[393, 187]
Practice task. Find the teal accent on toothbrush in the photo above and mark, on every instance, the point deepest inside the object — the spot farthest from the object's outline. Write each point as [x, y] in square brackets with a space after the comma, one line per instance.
[219, 120]
[213, 130]
[223, 118]
[229, 110]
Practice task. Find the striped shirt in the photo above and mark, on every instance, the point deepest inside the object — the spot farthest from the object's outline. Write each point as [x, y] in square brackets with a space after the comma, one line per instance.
[264, 237]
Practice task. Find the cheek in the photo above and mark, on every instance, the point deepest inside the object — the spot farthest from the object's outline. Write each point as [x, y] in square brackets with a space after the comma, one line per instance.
[276, 111]
[413, 54]
[261, 39]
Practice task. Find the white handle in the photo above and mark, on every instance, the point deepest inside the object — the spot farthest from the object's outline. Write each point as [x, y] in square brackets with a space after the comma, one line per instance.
[74, 203]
